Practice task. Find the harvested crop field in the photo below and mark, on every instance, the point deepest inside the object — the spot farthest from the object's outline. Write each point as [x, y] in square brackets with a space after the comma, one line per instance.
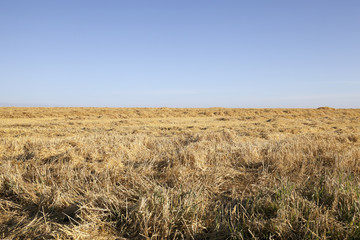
[160, 173]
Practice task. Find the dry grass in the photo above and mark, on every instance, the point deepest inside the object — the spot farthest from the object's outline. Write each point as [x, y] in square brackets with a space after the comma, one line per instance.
[103, 173]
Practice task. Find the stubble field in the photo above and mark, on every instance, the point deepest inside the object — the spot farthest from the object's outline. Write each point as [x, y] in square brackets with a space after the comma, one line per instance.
[215, 173]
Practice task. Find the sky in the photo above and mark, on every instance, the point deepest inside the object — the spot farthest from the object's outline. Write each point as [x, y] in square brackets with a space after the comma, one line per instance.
[180, 53]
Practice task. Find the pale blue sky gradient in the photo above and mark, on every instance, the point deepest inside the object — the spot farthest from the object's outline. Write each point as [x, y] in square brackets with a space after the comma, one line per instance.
[182, 53]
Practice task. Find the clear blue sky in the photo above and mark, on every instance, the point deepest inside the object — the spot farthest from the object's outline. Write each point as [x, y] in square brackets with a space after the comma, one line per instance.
[181, 53]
